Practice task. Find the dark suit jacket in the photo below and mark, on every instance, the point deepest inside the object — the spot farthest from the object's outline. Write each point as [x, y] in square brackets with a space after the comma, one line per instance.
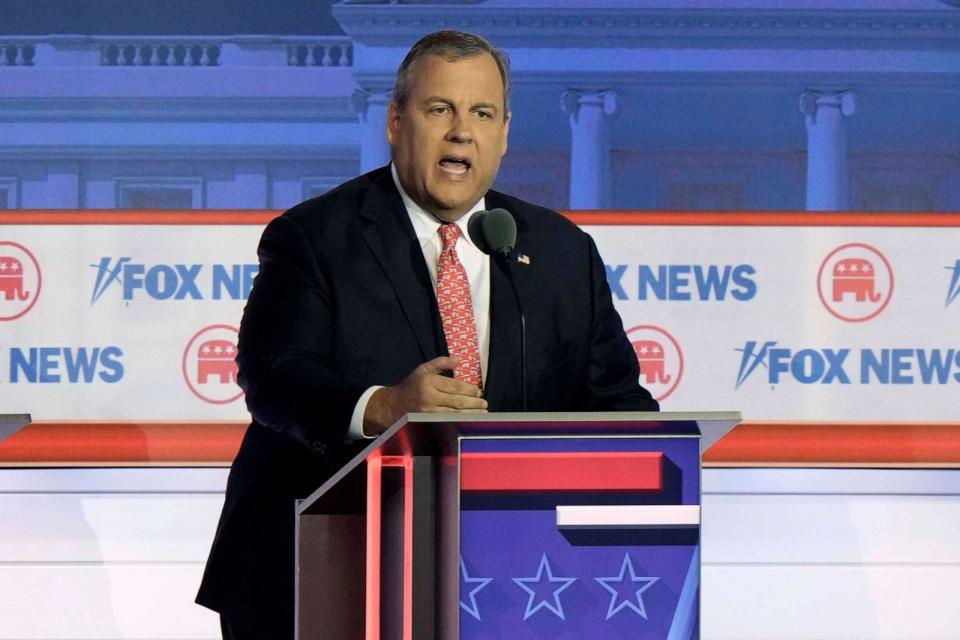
[344, 301]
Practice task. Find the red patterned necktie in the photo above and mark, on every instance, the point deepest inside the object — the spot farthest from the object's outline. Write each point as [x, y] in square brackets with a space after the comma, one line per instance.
[456, 308]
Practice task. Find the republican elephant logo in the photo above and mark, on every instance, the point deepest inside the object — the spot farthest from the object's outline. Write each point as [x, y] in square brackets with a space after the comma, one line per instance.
[652, 361]
[210, 366]
[660, 358]
[20, 280]
[856, 276]
[855, 282]
[11, 279]
[217, 358]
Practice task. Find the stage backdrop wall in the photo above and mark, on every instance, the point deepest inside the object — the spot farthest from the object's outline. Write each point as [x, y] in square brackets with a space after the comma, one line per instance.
[134, 315]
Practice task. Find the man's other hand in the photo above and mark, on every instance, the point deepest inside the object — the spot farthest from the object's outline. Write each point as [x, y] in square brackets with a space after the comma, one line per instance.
[426, 389]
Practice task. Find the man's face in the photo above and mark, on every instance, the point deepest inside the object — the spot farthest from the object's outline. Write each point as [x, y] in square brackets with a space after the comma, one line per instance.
[448, 139]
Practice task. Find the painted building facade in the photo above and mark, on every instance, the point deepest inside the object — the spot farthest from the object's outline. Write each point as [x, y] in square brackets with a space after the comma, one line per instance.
[685, 105]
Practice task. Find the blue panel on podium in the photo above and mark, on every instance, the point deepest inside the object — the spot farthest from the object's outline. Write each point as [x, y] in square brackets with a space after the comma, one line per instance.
[577, 561]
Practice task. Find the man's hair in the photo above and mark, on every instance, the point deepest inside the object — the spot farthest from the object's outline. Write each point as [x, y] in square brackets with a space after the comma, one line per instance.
[452, 46]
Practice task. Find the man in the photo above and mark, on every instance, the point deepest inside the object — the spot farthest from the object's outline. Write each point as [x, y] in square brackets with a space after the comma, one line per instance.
[370, 296]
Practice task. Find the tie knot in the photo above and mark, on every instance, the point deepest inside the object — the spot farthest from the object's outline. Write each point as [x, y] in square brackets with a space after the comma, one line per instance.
[449, 233]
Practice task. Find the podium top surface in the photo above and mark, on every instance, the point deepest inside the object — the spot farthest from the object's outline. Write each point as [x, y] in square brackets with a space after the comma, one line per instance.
[711, 426]
[568, 417]
[439, 433]
[10, 423]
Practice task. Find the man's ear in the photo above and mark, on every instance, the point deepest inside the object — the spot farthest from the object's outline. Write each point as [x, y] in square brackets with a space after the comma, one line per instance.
[506, 134]
[393, 121]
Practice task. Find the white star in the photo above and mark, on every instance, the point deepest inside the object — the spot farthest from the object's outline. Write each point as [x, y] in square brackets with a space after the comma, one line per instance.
[14, 266]
[205, 350]
[556, 608]
[218, 349]
[656, 350]
[644, 350]
[628, 603]
[841, 268]
[467, 580]
[3, 266]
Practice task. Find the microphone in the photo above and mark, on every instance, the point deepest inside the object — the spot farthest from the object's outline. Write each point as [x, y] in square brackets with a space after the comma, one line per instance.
[495, 233]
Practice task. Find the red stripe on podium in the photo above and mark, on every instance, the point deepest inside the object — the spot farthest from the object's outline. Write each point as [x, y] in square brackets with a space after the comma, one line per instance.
[374, 526]
[562, 471]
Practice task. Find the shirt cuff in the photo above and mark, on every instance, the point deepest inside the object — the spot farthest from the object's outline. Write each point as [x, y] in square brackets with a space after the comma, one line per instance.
[356, 420]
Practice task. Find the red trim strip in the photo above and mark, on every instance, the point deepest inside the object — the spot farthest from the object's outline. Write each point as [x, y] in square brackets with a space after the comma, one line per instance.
[117, 442]
[586, 218]
[374, 525]
[762, 219]
[838, 443]
[408, 548]
[125, 217]
[750, 443]
[600, 471]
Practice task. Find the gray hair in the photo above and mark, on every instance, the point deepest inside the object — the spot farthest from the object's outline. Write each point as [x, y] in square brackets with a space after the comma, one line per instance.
[452, 46]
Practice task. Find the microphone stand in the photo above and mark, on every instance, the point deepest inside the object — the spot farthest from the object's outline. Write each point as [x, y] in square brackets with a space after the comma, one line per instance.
[506, 254]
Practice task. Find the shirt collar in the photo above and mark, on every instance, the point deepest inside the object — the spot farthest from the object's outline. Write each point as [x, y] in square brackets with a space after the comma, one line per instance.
[425, 224]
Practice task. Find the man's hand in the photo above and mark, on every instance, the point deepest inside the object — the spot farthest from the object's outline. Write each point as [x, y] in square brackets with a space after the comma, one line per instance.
[424, 390]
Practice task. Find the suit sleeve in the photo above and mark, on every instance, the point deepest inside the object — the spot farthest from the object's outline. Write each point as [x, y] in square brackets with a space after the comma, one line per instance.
[613, 372]
[286, 345]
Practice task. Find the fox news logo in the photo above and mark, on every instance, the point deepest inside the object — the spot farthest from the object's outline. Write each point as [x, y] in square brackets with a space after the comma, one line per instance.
[56, 365]
[847, 366]
[683, 282]
[172, 281]
[954, 289]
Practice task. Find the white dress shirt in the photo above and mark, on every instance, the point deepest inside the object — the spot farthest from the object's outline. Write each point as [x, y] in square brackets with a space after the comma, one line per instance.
[477, 265]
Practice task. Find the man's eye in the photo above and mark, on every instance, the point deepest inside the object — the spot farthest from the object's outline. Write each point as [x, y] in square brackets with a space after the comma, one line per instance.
[440, 109]
[484, 115]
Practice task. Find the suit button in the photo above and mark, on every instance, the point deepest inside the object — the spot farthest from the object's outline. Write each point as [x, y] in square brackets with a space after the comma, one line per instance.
[318, 446]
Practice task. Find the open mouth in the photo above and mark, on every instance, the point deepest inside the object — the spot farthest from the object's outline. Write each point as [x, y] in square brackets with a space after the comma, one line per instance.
[454, 165]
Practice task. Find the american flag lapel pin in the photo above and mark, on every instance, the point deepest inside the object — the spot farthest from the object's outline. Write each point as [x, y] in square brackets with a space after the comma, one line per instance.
[523, 258]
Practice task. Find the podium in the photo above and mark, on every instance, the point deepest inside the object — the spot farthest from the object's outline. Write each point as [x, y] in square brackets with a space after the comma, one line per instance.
[510, 525]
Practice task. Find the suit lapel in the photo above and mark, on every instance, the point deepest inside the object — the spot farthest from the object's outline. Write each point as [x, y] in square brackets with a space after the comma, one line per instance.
[390, 236]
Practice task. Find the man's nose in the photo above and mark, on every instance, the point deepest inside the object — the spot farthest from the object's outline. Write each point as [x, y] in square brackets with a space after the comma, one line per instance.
[461, 129]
